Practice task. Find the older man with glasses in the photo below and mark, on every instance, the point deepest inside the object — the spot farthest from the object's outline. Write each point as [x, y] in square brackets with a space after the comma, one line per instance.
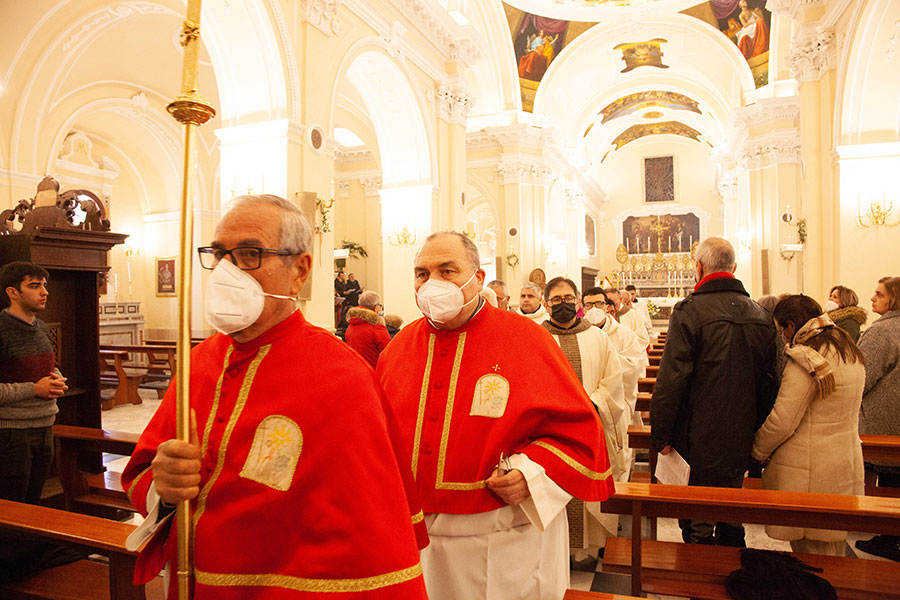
[597, 366]
[280, 453]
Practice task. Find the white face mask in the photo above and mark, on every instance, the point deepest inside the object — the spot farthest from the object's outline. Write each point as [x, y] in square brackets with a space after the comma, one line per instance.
[440, 301]
[831, 305]
[234, 299]
[595, 316]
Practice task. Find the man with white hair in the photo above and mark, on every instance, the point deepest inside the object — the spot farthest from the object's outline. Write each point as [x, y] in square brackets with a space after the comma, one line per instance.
[291, 432]
[366, 331]
[530, 303]
[716, 383]
[627, 316]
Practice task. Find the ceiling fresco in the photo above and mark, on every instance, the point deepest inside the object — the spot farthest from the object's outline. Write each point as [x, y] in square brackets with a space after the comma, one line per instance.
[632, 103]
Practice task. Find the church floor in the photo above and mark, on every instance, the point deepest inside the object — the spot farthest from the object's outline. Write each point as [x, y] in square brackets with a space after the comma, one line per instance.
[133, 419]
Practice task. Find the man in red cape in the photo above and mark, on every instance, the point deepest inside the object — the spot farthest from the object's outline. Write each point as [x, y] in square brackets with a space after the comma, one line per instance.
[471, 382]
[295, 484]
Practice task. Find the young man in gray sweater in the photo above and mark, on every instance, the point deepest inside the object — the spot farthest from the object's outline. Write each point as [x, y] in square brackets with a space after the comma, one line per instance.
[30, 383]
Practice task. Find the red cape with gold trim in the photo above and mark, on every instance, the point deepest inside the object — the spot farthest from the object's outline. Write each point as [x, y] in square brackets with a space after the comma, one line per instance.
[301, 491]
[497, 384]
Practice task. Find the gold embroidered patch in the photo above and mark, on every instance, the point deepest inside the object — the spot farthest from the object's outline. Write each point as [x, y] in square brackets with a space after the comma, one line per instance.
[273, 456]
[491, 394]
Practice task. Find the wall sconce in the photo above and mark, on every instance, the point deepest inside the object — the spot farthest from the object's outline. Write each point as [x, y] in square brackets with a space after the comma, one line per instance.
[878, 213]
[402, 237]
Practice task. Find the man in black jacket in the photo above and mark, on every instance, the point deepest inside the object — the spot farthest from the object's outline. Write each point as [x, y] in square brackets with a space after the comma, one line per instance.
[716, 383]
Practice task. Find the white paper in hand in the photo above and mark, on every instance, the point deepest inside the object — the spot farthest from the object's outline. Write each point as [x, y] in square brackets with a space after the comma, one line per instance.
[672, 469]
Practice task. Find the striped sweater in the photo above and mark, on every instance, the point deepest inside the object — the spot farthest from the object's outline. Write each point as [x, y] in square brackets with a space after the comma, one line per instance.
[26, 356]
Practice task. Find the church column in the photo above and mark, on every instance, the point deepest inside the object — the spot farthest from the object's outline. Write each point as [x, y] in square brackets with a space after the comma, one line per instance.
[454, 105]
[813, 60]
[771, 188]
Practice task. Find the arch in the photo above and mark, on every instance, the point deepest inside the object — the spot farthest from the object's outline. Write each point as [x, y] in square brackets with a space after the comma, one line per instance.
[493, 79]
[397, 116]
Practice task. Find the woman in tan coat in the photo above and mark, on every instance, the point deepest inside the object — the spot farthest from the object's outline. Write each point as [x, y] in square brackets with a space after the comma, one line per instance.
[811, 437]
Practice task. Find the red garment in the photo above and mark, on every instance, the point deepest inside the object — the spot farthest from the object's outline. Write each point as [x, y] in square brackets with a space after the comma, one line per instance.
[447, 390]
[340, 520]
[711, 276]
[759, 43]
[366, 334]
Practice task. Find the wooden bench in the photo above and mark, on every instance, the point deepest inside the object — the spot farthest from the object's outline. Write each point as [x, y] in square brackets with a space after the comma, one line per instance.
[94, 493]
[654, 360]
[699, 571]
[582, 595]
[652, 371]
[157, 360]
[646, 384]
[114, 372]
[83, 579]
[643, 402]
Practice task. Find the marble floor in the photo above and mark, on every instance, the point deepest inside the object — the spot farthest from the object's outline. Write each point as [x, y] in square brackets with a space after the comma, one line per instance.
[133, 419]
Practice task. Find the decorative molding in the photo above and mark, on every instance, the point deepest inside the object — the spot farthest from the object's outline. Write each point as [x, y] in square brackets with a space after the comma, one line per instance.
[140, 102]
[894, 42]
[114, 12]
[322, 14]
[794, 8]
[371, 185]
[343, 154]
[393, 40]
[432, 20]
[778, 147]
[727, 186]
[523, 170]
[814, 56]
[768, 110]
[454, 103]
[342, 187]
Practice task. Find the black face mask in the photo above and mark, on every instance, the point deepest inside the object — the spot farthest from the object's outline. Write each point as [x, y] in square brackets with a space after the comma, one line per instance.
[563, 312]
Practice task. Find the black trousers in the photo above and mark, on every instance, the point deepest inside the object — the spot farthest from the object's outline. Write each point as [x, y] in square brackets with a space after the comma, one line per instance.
[713, 532]
[25, 457]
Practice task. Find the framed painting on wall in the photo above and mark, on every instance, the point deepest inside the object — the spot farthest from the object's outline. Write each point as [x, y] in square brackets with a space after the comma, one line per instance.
[165, 276]
[659, 179]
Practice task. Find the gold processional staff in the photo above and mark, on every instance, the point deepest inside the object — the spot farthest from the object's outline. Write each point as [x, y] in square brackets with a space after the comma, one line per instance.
[191, 110]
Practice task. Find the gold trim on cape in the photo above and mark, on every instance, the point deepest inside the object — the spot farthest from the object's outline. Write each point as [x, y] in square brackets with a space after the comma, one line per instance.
[418, 517]
[130, 491]
[232, 421]
[420, 416]
[439, 483]
[302, 584]
[573, 463]
[204, 443]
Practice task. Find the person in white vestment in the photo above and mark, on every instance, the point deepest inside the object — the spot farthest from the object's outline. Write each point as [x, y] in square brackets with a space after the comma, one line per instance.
[596, 362]
[640, 304]
[629, 317]
[530, 303]
[632, 356]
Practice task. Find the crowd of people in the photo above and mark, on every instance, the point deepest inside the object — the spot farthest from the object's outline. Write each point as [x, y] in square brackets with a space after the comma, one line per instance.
[472, 448]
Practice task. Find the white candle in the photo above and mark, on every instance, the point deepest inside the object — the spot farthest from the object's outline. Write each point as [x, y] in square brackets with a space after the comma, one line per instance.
[627, 245]
[670, 244]
[691, 242]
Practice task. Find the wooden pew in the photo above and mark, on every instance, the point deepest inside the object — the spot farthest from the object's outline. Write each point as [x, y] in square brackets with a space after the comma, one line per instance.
[699, 571]
[651, 371]
[643, 402]
[84, 579]
[582, 595]
[94, 493]
[654, 360]
[646, 384]
[159, 363]
[113, 371]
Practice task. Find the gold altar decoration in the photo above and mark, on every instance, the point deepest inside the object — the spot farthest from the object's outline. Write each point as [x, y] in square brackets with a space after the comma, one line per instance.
[191, 110]
[621, 254]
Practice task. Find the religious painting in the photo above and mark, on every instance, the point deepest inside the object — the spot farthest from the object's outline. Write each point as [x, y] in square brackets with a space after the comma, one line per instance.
[642, 54]
[747, 24]
[639, 101]
[165, 276]
[661, 233]
[659, 179]
[537, 41]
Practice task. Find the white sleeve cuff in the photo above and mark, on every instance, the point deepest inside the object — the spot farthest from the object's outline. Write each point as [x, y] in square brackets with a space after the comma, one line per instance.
[546, 499]
[151, 524]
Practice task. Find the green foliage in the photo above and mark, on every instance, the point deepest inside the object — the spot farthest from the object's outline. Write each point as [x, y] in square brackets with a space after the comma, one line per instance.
[356, 250]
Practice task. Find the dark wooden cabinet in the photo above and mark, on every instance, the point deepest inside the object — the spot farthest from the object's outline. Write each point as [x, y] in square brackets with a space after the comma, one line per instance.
[76, 260]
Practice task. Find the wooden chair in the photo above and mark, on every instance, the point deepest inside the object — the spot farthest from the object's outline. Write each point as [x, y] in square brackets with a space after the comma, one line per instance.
[699, 571]
[84, 579]
[93, 493]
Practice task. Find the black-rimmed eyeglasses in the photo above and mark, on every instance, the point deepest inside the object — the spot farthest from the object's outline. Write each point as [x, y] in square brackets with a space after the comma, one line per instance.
[246, 258]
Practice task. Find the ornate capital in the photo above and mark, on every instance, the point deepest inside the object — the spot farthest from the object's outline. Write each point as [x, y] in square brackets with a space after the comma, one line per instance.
[778, 147]
[524, 171]
[454, 103]
[794, 8]
[371, 185]
[894, 42]
[813, 57]
[342, 187]
[727, 185]
[322, 14]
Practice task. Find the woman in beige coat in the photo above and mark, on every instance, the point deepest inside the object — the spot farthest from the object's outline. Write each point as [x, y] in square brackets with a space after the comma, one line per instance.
[811, 437]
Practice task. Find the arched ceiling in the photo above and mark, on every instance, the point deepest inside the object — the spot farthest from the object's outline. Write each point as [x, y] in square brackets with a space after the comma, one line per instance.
[600, 10]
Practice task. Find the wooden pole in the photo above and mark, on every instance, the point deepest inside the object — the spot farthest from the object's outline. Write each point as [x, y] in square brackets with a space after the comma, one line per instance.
[191, 110]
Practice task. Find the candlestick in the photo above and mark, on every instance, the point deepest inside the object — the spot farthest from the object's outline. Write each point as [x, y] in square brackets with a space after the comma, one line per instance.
[627, 245]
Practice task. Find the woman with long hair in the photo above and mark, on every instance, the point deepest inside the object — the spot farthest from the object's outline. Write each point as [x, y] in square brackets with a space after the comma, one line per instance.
[842, 307]
[811, 437]
[880, 414]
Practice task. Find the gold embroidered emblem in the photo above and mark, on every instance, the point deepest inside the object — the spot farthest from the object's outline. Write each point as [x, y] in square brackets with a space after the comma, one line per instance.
[273, 456]
[491, 394]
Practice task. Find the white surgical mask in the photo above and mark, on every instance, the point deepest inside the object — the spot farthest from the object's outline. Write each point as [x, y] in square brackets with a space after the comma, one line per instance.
[440, 301]
[234, 299]
[831, 305]
[595, 316]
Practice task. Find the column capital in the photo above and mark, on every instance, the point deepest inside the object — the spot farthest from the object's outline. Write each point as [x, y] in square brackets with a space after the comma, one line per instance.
[813, 54]
[371, 185]
[322, 14]
[775, 148]
[454, 101]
